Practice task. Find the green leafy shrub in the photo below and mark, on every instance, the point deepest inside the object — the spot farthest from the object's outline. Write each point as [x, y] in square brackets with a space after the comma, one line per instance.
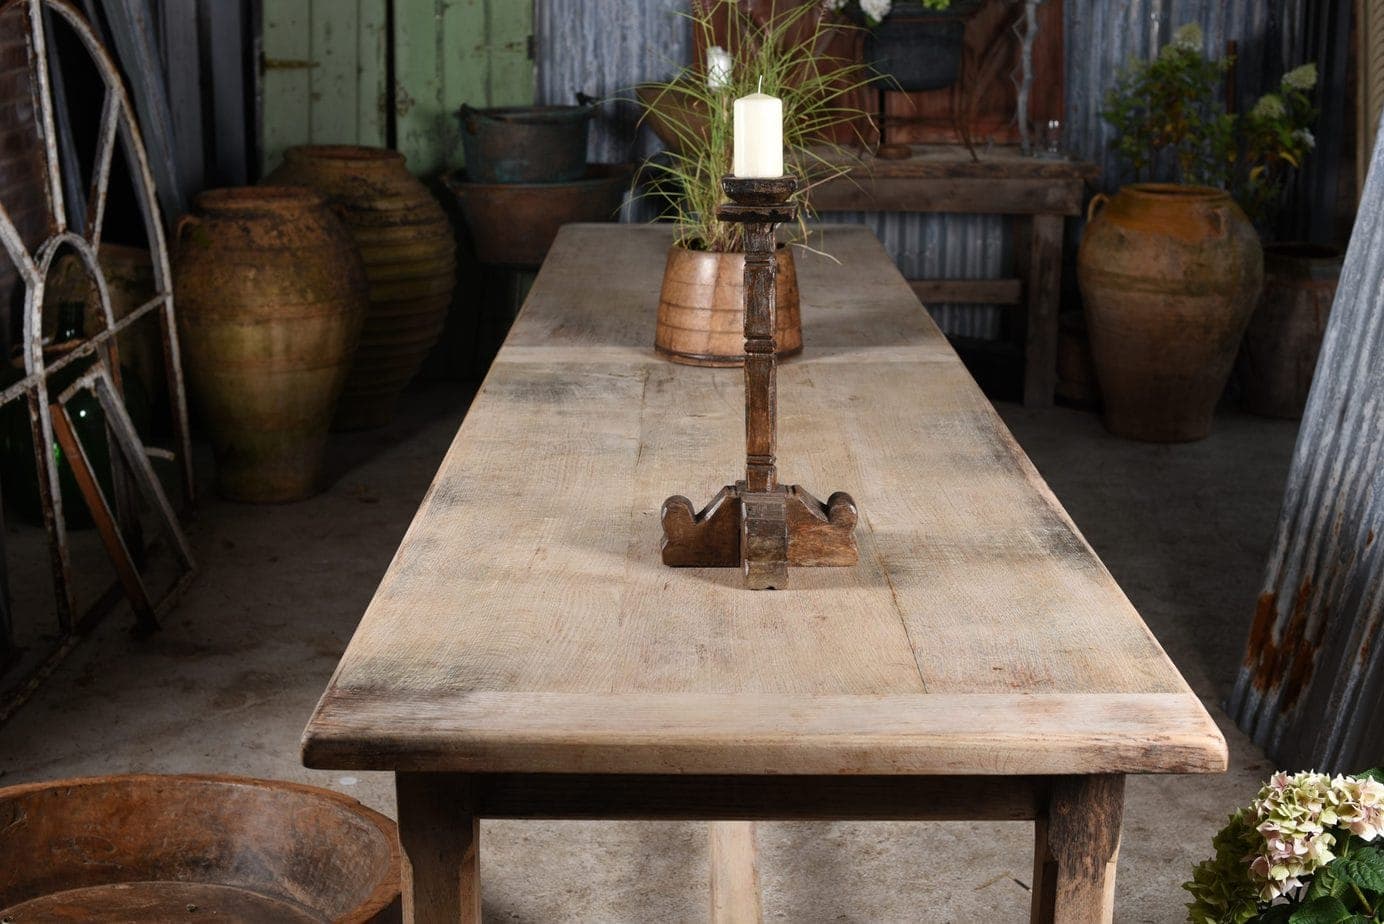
[1173, 104]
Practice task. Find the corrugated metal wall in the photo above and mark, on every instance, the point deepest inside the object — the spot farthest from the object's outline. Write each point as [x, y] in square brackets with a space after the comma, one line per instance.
[603, 48]
[1311, 691]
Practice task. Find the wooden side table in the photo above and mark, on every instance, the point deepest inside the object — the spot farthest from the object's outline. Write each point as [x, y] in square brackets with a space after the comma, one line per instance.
[1039, 193]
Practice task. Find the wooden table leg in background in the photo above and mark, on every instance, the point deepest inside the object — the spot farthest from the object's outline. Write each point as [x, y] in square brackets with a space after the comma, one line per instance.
[734, 873]
[1043, 295]
[1076, 845]
[439, 832]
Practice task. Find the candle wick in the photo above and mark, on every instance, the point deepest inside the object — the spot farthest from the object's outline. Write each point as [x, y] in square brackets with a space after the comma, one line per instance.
[761, 83]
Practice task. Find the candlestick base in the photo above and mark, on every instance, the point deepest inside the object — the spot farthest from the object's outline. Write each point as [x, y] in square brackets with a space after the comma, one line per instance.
[762, 532]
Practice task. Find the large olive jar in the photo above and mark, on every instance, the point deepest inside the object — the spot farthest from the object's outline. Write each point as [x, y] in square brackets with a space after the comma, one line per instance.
[271, 295]
[1169, 275]
[409, 252]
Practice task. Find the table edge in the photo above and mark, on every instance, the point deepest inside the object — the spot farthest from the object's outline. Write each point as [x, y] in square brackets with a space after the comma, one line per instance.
[766, 734]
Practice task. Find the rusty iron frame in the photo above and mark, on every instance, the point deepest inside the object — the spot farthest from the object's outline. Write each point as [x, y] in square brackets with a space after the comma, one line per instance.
[117, 123]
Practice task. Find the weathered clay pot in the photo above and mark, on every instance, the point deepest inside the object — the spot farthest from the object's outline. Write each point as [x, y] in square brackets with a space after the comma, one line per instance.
[1169, 275]
[514, 224]
[410, 261]
[701, 308]
[174, 848]
[271, 295]
[1279, 352]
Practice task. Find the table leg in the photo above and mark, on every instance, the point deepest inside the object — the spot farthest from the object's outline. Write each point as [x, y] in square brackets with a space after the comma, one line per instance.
[1043, 295]
[734, 873]
[1076, 846]
[440, 836]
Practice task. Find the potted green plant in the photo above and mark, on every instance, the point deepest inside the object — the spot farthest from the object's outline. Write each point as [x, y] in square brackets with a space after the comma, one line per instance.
[1308, 850]
[700, 313]
[1279, 352]
[918, 44]
[1170, 272]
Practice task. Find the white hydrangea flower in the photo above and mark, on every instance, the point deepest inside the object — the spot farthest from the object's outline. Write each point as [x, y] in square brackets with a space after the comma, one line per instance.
[1362, 806]
[718, 68]
[1189, 37]
[1306, 137]
[835, 6]
[1302, 78]
[876, 10]
[1293, 813]
[1270, 106]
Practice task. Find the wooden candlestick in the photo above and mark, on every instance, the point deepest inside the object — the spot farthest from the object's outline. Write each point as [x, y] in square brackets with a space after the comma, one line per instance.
[758, 524]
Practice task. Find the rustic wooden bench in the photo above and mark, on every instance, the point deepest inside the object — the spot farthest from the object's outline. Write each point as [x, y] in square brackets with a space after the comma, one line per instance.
[528, 656]
[1038, 194]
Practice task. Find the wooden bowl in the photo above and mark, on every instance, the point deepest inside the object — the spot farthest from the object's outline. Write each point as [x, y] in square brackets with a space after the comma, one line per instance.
[162, 848]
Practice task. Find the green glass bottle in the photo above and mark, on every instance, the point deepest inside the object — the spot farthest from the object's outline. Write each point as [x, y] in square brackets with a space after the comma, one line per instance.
[18, 473]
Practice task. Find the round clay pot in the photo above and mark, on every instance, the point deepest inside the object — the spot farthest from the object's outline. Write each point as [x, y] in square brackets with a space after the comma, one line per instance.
[514, 224]
[271, 295]
[701, 308]
[409, 252]
[1279, 352]
[1169, 275]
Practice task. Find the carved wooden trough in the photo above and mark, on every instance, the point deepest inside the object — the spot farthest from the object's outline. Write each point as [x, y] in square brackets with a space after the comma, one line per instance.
[163, 848]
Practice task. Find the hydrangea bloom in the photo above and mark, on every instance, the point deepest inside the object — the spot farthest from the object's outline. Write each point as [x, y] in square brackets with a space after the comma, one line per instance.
[1189, 37]
[1361, 806]
[1270, 106]
[1306, 137]
[1303, 77]
[1293, 813]
[876, 9]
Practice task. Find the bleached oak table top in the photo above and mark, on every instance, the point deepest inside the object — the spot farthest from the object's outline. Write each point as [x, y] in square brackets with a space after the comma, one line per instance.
[526, 624]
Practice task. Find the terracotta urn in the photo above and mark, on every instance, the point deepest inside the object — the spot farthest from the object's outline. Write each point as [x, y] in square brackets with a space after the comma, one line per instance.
[1170, 275]
[271, 295]
[701, 307]
[1279, 354]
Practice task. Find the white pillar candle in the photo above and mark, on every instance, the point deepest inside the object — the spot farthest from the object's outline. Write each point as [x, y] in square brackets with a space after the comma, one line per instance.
[758, 136]
[718, 65]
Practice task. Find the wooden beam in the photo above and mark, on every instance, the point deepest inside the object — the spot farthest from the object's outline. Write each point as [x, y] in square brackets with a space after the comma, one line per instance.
[734, 874]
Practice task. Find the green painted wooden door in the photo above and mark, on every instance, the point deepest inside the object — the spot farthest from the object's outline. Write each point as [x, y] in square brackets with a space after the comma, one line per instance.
[324, 74]
[449, 52]
[327, 78]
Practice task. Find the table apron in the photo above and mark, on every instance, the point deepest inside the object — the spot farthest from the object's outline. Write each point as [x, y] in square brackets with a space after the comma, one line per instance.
[750, 798]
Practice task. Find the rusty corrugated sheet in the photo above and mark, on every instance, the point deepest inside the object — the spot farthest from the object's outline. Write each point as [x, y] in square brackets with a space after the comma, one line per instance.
[1311, 689]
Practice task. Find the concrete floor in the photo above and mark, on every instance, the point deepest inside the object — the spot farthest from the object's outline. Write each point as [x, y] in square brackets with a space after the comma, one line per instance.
[230, 681]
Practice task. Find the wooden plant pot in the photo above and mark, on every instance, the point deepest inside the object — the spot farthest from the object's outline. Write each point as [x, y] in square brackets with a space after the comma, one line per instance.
[1279, 352]
[1169, 275]
[701, 308]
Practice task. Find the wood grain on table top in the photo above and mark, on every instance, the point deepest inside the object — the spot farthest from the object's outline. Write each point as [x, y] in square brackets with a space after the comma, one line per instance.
[526, 623]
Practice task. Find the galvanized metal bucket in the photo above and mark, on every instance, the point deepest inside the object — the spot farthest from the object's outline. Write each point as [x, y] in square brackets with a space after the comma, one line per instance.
[525, 144]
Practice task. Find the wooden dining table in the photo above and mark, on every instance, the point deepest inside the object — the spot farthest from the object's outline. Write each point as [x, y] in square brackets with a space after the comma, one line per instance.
[528, 656]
